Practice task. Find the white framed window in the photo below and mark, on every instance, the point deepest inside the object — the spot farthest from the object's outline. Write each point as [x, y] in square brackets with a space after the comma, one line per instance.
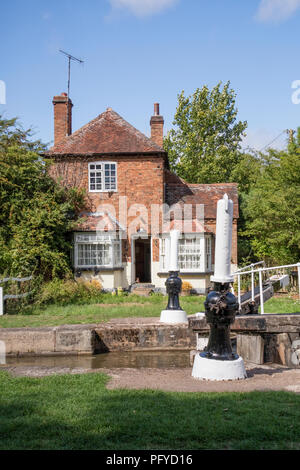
[208, 252]
[164, 252]
[102, 176]
[194, 252]
[189, 253]
[97, 251]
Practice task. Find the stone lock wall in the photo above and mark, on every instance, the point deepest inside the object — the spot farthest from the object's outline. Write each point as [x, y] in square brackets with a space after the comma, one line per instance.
[273, 338]
[116, 335]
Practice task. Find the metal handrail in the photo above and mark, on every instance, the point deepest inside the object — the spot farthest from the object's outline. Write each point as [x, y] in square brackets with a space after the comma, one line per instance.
[260, 271]
[266, 269]
[249, 266]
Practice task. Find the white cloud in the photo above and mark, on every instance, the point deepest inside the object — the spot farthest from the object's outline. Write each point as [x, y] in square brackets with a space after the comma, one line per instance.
[276, 10]
[142, 7]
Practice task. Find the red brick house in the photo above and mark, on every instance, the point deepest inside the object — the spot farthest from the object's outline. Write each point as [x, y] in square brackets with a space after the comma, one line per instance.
[133, 199]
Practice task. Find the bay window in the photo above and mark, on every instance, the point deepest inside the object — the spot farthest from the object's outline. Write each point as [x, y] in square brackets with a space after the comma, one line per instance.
[97, 251]
[194, 252]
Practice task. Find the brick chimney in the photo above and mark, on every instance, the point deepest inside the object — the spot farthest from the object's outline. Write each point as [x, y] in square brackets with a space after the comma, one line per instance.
[157, 126]
[62, 117]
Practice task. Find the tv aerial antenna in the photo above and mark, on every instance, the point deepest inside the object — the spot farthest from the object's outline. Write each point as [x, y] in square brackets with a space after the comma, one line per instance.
[70, 57]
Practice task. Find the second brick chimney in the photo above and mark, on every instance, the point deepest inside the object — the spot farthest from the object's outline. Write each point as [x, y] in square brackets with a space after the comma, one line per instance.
[62, 117]
[157, 126]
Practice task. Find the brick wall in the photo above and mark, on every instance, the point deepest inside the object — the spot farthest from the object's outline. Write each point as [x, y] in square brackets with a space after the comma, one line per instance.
[62, 117]
[157, 124]
[139, 178]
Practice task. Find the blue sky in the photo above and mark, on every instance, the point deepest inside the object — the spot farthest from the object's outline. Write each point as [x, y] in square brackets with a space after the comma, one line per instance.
[138, 52]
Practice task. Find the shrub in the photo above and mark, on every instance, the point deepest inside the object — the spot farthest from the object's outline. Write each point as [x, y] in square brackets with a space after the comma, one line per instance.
[92, 284]
[186, 285]
[68, 291]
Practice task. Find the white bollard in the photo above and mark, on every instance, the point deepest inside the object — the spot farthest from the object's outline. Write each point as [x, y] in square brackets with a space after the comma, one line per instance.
[174, 242]
[1, 301]
[223, 241]
[207, 366]
[2, 352]
[173, 316]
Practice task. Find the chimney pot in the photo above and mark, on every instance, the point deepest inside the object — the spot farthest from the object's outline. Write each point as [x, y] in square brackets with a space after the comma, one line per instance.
[156, 109]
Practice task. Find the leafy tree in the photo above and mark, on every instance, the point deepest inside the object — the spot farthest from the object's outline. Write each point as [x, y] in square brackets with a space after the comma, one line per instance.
[204, 145]
[272, 208]
[36, 213]
[245, 174]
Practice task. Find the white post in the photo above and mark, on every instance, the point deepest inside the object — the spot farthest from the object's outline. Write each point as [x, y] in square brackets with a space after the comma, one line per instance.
[298, 267]
[252, 283]
[205, 365]
[223, 241]
[1, 301]
[2, 352]
[239, 290]
[173, 316]
[262, 310]
[174, 240]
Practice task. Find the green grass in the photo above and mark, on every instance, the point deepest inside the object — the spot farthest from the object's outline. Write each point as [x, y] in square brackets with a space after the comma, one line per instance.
[282, 305]
[121, 307]
[78, 412]
[112, 307]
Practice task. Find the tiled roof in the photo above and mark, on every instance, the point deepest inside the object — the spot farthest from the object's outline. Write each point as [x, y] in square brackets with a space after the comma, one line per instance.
[107, 133]
[195, 226]
[178, 191]
[96, 221]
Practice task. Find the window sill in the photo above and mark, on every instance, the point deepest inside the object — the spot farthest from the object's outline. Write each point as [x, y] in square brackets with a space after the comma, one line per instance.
[103, 191]
[184, 273]
[99, 269]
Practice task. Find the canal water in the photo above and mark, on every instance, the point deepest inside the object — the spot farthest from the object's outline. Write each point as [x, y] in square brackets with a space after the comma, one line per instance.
[111, 360]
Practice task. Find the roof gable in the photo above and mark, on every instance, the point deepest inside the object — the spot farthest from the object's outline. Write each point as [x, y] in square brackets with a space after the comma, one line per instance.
[107, 133]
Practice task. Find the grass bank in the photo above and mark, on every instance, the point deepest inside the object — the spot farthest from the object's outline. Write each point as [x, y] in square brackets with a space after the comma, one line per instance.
[78, 412]
[110, 307]
[282, 305]
[119, 307]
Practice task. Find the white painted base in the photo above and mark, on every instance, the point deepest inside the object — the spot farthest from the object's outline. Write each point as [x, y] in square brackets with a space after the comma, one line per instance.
[173, 316]
[212, 369]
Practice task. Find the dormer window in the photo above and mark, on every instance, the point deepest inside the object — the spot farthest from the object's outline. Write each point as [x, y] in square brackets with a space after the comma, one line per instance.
[102, 176]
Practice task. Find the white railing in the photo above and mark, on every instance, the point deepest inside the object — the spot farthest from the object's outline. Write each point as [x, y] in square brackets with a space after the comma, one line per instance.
[260, 271]
[11, 296]
[249, 266]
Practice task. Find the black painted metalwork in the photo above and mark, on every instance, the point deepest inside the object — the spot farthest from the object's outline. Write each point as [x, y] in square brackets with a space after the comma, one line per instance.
[221, 306]
[173, 285]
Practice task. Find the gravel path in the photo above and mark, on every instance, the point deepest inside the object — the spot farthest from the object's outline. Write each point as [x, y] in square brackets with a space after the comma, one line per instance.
[262, 377]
